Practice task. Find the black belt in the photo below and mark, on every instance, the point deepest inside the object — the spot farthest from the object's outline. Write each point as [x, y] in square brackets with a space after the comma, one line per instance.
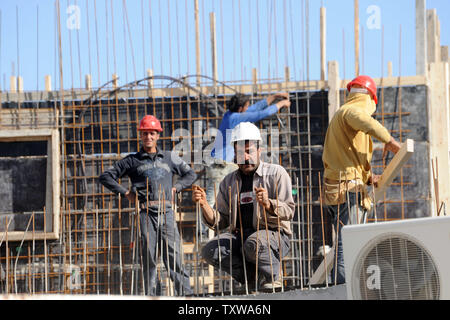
[145, 205]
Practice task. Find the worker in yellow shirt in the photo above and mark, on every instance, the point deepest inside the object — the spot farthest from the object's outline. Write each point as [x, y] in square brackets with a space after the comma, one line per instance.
[347, 159]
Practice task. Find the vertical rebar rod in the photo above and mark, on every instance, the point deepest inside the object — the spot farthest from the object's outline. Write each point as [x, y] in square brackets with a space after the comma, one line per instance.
[279, 241]
[336, 251]
[308, 215]
[238, 204]
[230, 206]
[268, 247]
[219, 246]
[85, 251]
[138, 242]
[323, 231]
[120, 245]
[183, 270]
[196, 282]
[7, 256]
[109, 249]
[258, 211]
[147, 227]
[97, 280]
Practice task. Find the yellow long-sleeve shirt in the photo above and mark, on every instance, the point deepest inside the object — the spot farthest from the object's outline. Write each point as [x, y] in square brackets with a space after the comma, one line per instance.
[348, 144]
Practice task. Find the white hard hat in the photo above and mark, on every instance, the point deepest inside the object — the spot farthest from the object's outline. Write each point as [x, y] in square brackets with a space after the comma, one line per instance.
[245, 131]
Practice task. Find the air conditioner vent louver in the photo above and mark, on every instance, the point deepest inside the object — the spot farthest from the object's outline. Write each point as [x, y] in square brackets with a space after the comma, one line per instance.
[396, 268]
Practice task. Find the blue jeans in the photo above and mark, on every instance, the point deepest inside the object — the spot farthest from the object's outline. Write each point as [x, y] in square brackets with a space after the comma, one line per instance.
[357, 215]
[162, 236]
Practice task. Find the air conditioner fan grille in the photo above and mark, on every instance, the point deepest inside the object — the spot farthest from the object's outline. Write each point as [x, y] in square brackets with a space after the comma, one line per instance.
[397, 268]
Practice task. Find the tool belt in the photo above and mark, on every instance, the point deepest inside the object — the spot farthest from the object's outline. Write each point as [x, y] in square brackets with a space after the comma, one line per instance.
[335, 192]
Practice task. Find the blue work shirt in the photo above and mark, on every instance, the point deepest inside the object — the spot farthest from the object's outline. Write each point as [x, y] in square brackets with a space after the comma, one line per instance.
[150, 174]
[222, 147]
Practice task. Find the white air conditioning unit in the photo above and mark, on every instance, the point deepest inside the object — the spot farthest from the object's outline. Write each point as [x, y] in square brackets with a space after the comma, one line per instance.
[400, 260]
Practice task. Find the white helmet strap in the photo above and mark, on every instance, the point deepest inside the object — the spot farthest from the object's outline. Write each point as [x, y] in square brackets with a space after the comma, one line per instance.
[359, 90]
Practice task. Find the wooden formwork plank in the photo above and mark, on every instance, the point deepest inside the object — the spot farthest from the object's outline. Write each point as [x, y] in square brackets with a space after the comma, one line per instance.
[393, 169]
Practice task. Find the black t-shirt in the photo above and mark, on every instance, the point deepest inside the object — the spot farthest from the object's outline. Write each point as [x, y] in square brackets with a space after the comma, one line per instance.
[246, 201]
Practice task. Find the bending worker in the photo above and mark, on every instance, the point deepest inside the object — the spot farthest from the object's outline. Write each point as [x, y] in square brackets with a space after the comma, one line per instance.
[239, 110]
[151, 171]
[255, 205]
[347, 156]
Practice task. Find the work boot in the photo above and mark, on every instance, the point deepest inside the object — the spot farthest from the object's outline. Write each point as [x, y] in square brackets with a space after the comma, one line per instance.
[269, 285]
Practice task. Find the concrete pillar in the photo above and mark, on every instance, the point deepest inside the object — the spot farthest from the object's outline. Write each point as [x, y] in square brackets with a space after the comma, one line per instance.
[439, 124]
[421, 38]
[333, 88]
[433, 46]
[48, 83]
[87, 82]
[255, 80]
[150, 74]
[13, 84]
[444, 54]
[115, 82]
[287, 74]
[390, 69]
[19, 84]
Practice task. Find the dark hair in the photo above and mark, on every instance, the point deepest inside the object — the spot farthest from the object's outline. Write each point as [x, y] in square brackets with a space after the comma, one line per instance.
[237, 101]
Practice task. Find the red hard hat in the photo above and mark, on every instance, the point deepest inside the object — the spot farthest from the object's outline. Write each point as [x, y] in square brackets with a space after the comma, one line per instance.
[366, 82]
[150, 123]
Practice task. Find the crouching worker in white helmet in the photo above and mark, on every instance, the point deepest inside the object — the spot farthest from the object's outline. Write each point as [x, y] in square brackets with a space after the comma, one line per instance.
[253, 209]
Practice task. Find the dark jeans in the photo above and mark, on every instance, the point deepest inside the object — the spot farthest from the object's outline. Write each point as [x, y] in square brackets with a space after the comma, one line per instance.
[356, 215]
[230, 247]
[162, 236]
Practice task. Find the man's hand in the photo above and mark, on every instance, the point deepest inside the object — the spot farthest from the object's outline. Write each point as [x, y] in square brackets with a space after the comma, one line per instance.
[131, 196]
[262, 196]
[283, 103]
[373, 180]
[277, 96]
[392, 146]
[198, 195]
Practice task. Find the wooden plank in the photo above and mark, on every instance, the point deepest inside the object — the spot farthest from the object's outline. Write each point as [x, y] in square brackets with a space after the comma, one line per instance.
[393, 169]
[313, 85]
[356, 13]
[25, 135]
[323, 41]
[333, 89]
[322, 271]
[212, 21]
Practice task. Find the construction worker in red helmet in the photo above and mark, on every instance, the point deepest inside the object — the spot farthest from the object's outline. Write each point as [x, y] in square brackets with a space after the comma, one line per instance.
[151, 172]
[347, 159]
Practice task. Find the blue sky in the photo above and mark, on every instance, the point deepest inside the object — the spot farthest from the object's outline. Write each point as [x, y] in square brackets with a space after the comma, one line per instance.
[262, 34]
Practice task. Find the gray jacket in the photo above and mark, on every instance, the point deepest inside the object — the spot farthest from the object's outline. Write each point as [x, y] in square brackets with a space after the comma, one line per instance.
[275, 180]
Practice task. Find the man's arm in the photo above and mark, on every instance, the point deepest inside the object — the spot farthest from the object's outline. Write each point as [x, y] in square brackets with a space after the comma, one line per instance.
[283, 205]
[182, 169]
[110, 176]
[256, 116]
[199, 196]
[258, 106]
[361, 121]
[213, 217]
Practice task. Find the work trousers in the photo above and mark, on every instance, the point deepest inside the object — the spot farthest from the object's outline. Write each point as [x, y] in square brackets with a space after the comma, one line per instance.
[350, 212]
[160, 234]
[230, 247]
